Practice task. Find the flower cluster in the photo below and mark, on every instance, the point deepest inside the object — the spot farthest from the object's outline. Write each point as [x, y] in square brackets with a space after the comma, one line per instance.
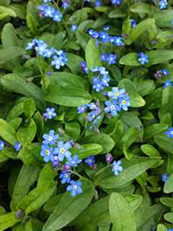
[104, 37]
[17, 145]
[49, 114]
[161, 73]
[58, 57]
[94, 114]
[109, 58]
[101, 79]
[168, 83]
[169, 132]
[143, 58]
[56, 150]
[118, 100]
[116, 2]
[163, 4]
[48, 11]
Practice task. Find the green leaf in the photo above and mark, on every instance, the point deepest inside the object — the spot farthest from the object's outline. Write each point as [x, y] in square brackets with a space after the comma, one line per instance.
[130, 59]
[27, 133]
[143, 26]
[73, 130]
[167, 98]
[169, 217]
[159, 56]
[7, 132]
[154, 129]
[45, 187]
[29, 107]
[65, 96]
[86, 150]
[167, 201]
[161, 227]
[10, 53]
[13, 83]
[8, 220]
[26, 178]
[144, 86]
[31, 23]
[20, 10]
[38, 118]
[165, 143]
[15, 123]
[132, 169]
[69, 208]
[9, 37]
[141, 8]
[74, 63]
[149, 150]
[16, 111]
[6, 11]
[121, 214]
[102, 139]
[164, 18]
[168, 186]
[117, 14]
[92, 55]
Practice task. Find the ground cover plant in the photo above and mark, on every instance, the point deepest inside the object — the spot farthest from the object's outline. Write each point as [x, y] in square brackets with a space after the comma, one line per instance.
[86, 110]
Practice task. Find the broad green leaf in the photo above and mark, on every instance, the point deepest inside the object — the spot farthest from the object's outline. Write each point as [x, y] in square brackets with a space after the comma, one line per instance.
[167, 201]
[7, 132]
[73, 130]
[16, 111]
[149, 150]
[10, 53]
[143, 26]
[39, 122]
[161, 227]
[69, 208]
[165, 143]
[102, 139]
[27, 133]
[29, 107]
[20, 10]
[169, 217]
[30, 154]
[117, 13]
[6, 11]
[2, 210]
[167, 98]
[164, 18]
[52, 203]
[144, 86]
[27, 176]
[13, 83]
[130, 59]
[15, 123]
[31, 23]
[121, 214]
[8, 220]
[159, 56]
[45, 187]
[154, 129]
[141, 8]
[132, 169]
[9, 37]
[86, 150]
[92, 55]
[65, 96]
[74, 63]
[168, 187]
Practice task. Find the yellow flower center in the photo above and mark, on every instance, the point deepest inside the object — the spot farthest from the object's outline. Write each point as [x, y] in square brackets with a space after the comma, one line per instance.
[50, 138]
[62, 150]
[47, 152]
[171, 132]
[123, 102]
[116, 94]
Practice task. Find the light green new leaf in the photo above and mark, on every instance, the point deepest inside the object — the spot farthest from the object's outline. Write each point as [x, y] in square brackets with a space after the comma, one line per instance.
[92, 54]
[121, 214]
[86, 150]
[7, 132]
[169, 217]
[161, 227]
[168, 187]
[29, 107]
[8, 220]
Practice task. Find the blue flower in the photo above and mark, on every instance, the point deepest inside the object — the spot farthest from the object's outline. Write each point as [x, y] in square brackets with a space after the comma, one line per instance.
[46, 1]
[59, 60]
[106, 28]
[47, 153]
[124, 102]
[163, 4]
[111, 59]
[97, 84]
[73, 161]
[98, 3]
[1, 145]
[165, 72]
[75, 188]
[90, 161]
[112, 107]
[50, 113]
[65, 5]
[82, 109]
[84, 67]
[17, 146]
[104, 57]
[51, 138]
[168, 83]
[164, 177]
[133, 23]
[143, 58]
[116, 40]
[74, 27]
[116, 93]
[31, 44]
[65, 177]
[62, 150]
[169, 132]
[116, 2]
[170, 229]
[104, 36]
[41, 47]
[116, 167]
[57, 16]
[105, 81]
